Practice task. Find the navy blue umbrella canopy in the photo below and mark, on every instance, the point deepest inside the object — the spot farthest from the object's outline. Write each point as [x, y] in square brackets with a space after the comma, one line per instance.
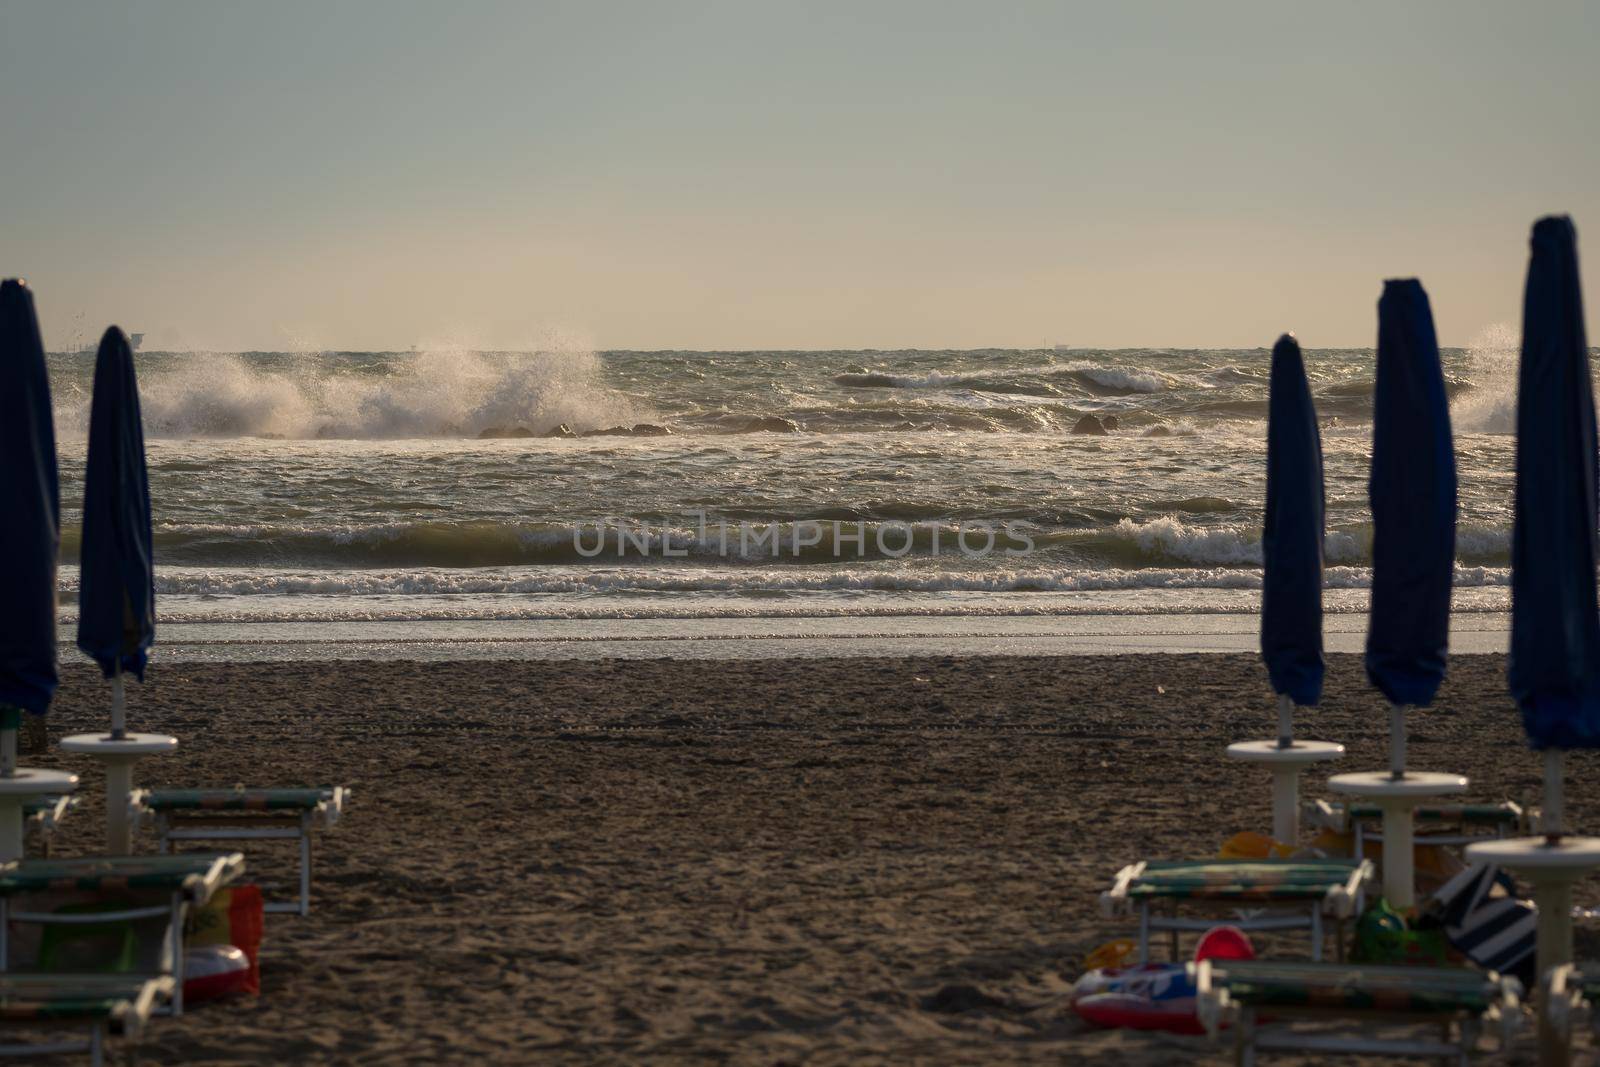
[116, 598]
[1555, 626]
[1291, 539]
[30, 533]
[1412, 490]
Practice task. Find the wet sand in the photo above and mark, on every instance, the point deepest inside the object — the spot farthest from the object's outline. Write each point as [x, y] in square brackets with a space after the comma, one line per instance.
[830, 861]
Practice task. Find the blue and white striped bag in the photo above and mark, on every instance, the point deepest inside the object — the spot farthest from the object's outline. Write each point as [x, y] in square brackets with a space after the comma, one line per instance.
[1485, 921]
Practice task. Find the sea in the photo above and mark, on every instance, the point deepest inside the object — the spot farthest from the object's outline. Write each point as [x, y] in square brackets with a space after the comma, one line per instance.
[453, 502]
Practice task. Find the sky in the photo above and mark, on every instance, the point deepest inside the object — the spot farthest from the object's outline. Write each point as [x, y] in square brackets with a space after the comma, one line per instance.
[377, 174]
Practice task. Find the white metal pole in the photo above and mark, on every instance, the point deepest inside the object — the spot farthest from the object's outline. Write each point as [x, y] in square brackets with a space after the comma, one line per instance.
[1286, 804]
[1285, 721]
[11, 828]
[1553, 897]
[1554, 795]
[1399, 872]
[119, 783]
[119, 712]
[1397, 743]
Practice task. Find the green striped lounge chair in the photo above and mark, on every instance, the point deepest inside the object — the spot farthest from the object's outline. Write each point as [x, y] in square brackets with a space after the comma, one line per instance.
[1261, 895]
[138, 888]
[1437, 824]
[1450, 1007]
[94, 1005]
[241, 814]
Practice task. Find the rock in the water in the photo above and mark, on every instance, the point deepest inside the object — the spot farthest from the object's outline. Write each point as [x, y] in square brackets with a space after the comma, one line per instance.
[771, 424]
[1109, 422]
[650, 429]
[1090, 425]
[560, 431]
[495, 433]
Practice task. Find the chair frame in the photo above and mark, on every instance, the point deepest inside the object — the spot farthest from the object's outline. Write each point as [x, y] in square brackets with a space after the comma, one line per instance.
[1457, 1040]
[294, 824]
[226, 868]
[1304, 913]
[1337, 817]
[126, 1020]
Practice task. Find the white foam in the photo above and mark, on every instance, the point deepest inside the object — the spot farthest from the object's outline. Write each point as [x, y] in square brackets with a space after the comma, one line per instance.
[739, 580]
[1127, 378]
[449, 393]
[1490, 405]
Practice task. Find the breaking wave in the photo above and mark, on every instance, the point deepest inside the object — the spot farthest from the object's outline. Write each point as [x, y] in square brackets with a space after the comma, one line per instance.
[447, 393]
[1490, 405]
[1126, 545]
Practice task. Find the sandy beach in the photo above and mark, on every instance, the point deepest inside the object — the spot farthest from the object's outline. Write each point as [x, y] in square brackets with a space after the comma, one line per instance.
[828, 861]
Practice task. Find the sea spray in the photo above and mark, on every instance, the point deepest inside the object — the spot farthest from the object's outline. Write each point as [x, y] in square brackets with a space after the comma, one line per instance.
[1490, 404]
[431, 393]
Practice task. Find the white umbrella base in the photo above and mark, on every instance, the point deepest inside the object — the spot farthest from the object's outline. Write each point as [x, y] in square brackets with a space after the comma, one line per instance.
[119, 755]
[1285, 763]
[1399, 798]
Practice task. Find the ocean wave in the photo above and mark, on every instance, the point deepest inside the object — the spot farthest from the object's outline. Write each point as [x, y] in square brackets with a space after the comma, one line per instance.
[735, 581]
[883, 531]
[1119, 379]
[446, 393]
[1037, 380]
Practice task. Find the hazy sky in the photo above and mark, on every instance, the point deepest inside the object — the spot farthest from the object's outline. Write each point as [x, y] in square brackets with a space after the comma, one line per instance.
[750, 174]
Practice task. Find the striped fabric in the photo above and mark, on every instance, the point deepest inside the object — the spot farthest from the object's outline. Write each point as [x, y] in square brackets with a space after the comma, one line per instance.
[1264, 880]
[1488, 924]
[197, 873]
[1399, 990]
[237, 799]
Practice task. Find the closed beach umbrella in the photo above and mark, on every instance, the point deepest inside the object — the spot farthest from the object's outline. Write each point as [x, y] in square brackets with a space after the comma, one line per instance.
[1554, 670]
[1413, 495]
[1291, 593]
[1555, 622]
[30, 537]
[30, 513]
[116, 598]
[1291, 539]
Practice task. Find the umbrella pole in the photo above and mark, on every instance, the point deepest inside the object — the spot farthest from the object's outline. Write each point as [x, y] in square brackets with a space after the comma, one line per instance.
[10, 721]
[11, 818]
[1285, 721]
[1397, 741]
[1554, 795]
[119, 706]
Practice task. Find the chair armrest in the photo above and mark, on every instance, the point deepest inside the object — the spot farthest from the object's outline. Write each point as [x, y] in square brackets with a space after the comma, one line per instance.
[1114, 899]
[1321, 815]
[1341, 899]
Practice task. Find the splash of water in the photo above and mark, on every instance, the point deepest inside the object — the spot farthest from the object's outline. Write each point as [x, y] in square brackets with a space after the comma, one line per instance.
[434, 393]
[1490, 405]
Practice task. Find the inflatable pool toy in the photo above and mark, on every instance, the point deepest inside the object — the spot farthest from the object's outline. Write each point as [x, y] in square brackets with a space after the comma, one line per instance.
[213, 971]
[1149, 996]
[1154, 996]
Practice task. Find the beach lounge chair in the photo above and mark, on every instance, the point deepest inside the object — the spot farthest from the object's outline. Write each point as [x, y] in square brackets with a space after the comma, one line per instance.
[1437, 824]
[95, 1005]
[1457, 1002]
[1293, 894]
[240, 814]
[135, 888]
[43, 816]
